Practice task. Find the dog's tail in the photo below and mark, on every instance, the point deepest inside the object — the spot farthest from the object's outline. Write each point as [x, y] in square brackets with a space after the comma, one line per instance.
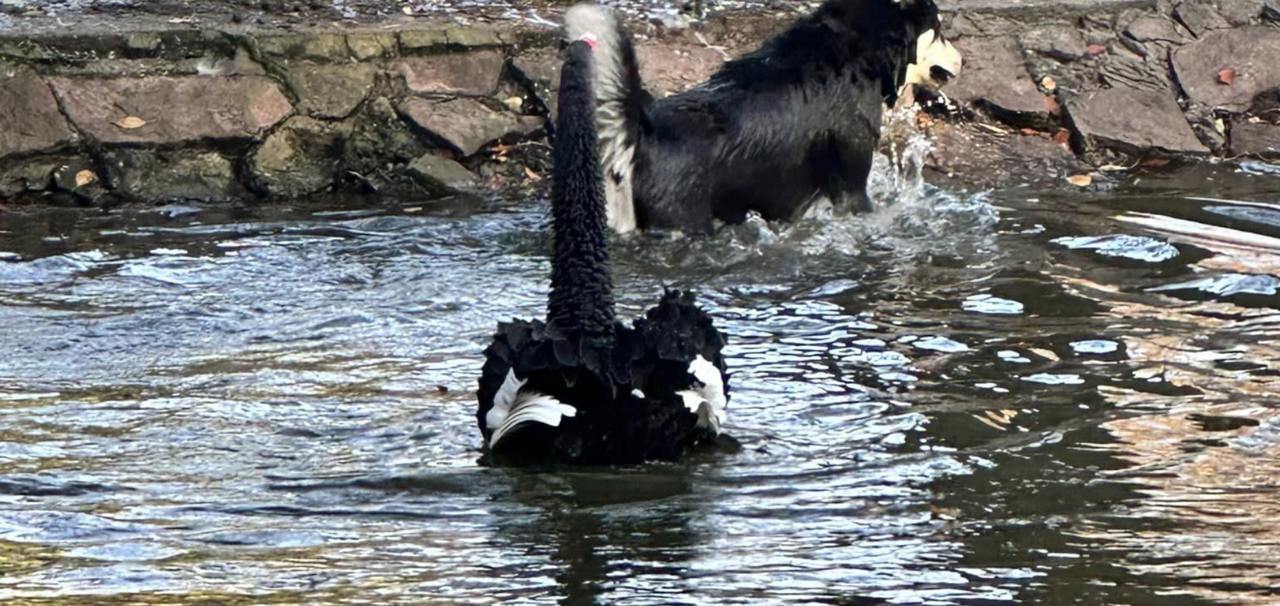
[621, 104]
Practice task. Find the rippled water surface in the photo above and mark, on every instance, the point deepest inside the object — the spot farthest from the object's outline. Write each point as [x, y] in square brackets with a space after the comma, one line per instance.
[963, 398]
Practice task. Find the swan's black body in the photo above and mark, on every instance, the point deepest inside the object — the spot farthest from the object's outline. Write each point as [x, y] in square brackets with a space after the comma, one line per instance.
[591, 390]
[792, 123]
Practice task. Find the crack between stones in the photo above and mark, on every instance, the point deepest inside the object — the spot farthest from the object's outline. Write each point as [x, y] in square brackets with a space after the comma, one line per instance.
[88, 143]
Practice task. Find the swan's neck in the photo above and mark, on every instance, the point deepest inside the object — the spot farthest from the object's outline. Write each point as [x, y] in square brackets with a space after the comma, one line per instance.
[581, 298]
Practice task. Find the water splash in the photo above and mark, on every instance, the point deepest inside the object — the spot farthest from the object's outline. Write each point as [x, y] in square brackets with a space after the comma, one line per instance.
[899, 174]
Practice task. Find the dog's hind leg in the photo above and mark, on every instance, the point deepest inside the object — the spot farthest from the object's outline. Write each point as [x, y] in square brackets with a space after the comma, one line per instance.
[846, 184]
[854, 202]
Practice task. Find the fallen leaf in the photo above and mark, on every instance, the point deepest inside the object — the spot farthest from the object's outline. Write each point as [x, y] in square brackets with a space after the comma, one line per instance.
[1049, 84]
[406, 9]
[924, 120]
[1226, 76]
[1062, 137]
[85, 177]
[1080, 180]
[1220, 126]
[1097, 49]
[131, 122]
[1112, 168]
[1155, 162]
[992, 129]
[1030, 132]
[1045, 353]
[535, 177]
[514, 103]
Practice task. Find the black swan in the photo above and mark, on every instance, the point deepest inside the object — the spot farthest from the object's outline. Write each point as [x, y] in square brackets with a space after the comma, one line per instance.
[792, 124]
[582, 388]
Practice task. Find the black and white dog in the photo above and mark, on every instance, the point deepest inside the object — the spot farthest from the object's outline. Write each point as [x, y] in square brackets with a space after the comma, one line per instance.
[774, 132]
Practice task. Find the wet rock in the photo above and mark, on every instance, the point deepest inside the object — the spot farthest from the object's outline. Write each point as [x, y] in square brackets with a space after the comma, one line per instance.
[980, 158]
[426, 39]
[157, 175]
[30, 175]
[1259, 139]
[995, 79]
[468, 73]
[1241, 12]
[457, 37]
[380, 145]
[1199, 16]
[309, 46]
[473, 36]
[1061, 43]
[29, 117]
[440, 175]
[1123, 71]
[465, 124]
[1152, 28]
[367, 46]
[330, 91]
[1266, 103]
[240, 63]
[1250, 51]
[1131, 121]
[301, 157]
[167, 110]
[1271, 10]
[539, 71]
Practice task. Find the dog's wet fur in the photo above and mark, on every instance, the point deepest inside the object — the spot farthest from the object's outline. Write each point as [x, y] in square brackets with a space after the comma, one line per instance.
[791, 125]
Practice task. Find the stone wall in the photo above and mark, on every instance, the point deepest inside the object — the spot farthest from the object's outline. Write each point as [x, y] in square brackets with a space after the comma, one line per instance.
[1069, 87]
[171, 111]
[214, 116]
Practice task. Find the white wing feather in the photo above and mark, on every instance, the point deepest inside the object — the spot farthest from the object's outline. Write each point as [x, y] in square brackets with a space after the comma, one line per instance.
[513, 408]
[708, 401]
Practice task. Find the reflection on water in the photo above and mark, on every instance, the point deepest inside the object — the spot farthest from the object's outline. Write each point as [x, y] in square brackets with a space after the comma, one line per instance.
[958, 399]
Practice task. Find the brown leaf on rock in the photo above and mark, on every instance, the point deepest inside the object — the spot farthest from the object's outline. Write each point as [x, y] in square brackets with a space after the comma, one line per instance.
[85, 177]
[1226, 76]
[130, 122]
[1097, 49]
[1080, 180]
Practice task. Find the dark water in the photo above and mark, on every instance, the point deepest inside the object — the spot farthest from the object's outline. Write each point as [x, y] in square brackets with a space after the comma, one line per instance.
[961, 399]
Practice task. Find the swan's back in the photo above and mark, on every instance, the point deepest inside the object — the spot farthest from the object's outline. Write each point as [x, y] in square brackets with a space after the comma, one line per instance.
[580, 387]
